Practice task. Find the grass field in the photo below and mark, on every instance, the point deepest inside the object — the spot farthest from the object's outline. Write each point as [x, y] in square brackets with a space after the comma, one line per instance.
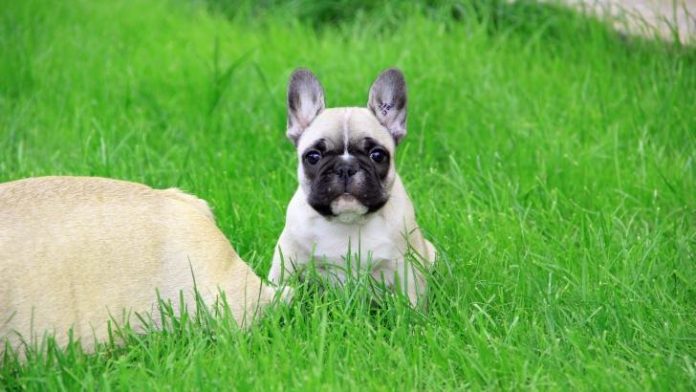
[550, 161]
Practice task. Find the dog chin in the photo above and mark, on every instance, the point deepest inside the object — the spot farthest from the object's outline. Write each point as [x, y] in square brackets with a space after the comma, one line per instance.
[347, 208]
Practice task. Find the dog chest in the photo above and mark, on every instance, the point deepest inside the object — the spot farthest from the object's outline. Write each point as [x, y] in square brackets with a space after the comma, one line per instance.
[332, 242]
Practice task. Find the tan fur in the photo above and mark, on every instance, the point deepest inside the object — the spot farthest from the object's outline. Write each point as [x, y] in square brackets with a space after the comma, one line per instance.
[77, 251]
[387, 235]
[387, 243]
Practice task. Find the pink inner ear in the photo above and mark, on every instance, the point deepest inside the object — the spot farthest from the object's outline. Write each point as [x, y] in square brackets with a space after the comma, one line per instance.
[305, 115]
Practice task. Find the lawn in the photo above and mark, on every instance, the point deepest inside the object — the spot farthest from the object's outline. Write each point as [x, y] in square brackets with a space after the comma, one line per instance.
[550, 161]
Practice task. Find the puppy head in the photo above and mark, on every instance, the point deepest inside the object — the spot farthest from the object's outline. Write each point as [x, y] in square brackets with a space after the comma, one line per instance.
[346, 155]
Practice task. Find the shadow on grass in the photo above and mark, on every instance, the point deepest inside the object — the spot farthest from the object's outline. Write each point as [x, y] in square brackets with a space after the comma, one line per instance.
[532, 20]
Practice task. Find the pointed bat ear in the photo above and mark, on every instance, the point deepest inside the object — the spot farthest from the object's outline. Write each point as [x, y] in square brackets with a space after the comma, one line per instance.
[305, 102]
[388, 102]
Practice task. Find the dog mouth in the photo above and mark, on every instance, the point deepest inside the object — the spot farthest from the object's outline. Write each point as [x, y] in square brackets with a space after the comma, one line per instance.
[347, 206]
[335, 199]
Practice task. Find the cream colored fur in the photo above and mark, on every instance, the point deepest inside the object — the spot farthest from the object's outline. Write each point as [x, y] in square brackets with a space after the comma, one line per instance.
[78, 251]
[384, 237]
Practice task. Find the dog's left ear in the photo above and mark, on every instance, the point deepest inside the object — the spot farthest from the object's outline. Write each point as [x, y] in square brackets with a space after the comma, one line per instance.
[388, 102]
[305, 102]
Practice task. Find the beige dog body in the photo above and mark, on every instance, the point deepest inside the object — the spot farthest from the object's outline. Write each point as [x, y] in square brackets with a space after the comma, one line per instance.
[76, 252]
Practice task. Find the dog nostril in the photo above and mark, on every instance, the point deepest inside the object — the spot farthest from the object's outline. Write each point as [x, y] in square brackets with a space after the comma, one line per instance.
[346, 171]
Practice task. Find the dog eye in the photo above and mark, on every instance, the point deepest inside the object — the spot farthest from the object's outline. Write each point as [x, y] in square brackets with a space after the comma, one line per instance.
[378, 155]
[312, 157]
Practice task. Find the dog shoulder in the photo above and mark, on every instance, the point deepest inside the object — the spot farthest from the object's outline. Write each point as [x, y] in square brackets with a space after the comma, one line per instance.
[194, 202]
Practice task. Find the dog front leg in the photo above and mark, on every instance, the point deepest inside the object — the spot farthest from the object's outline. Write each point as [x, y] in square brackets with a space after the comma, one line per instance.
[403, 276]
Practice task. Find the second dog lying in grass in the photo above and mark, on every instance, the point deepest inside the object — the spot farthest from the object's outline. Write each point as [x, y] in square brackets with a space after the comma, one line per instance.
[76, 252]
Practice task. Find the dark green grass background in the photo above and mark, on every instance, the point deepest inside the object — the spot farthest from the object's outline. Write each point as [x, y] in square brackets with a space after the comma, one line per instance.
[550, 160]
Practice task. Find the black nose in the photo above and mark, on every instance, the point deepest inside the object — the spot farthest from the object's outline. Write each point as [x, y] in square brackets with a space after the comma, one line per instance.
[345, 170]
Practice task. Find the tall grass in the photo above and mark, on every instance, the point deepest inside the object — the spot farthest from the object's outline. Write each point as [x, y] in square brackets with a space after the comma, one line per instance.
[550, 161]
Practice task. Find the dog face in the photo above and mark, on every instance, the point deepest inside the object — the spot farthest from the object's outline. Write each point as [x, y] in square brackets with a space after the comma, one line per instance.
[346, 155]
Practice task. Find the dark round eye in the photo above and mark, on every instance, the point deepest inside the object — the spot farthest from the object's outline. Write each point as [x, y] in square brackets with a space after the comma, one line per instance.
[312, 157]
[378, 155]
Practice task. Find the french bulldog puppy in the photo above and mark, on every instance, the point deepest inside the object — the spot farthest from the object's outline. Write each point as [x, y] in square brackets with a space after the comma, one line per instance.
[350, 200]
[76, 252]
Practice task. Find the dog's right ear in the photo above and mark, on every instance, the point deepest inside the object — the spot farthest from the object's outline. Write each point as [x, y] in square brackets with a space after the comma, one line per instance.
[305, 102]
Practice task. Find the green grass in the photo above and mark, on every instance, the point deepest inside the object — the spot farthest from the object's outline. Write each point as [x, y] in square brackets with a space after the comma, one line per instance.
[550, 161]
